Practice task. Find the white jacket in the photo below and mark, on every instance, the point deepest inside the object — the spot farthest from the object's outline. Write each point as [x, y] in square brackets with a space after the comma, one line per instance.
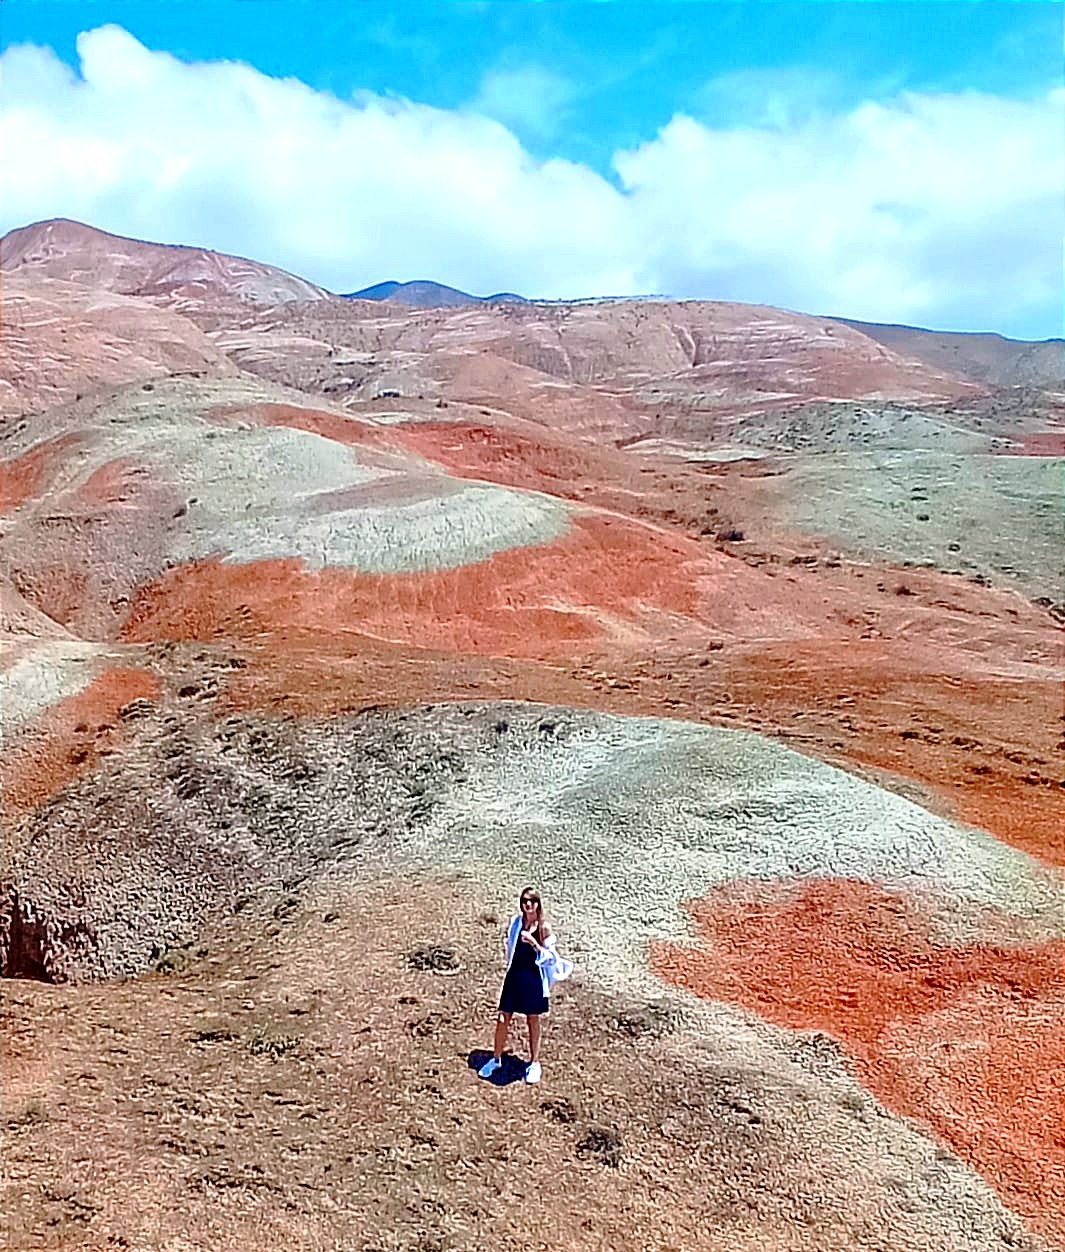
[553, 967]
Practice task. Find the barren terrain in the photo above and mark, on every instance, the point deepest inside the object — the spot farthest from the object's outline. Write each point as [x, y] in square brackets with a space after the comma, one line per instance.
[326, 625]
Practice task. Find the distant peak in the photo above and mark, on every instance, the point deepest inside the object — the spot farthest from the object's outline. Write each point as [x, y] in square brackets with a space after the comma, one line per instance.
[424, 293]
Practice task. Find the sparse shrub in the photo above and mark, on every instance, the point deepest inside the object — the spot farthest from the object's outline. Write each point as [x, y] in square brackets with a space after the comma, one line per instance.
[285, 908]
[560, 1109]
[428, 1026]
[134, 709]
[273, 1046]
[852, 1102]
[219, 1035]
[602, 1143]
[32, 1114]
[432, 958]
[172, 960]
[732, 535]
[647, 1019]
[903, 590]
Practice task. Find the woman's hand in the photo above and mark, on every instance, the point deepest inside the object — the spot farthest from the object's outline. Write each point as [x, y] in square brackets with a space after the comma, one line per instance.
[527, 936]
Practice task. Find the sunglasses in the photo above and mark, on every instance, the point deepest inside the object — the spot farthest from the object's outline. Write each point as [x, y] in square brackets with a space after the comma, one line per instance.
[529, 904]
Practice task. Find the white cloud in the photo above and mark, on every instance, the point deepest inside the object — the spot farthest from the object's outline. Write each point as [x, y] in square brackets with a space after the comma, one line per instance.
[530, 98]
[777, 97]
[343, 193]
[944, 210]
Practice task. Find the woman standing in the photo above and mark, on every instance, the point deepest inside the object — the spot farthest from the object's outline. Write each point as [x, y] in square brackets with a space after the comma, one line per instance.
[532, 966]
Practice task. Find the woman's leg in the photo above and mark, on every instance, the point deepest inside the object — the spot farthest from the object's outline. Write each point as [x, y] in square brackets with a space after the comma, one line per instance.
[534, 1036]
[502, 1027]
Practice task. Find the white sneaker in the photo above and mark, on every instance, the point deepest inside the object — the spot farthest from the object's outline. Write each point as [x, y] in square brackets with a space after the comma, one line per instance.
[534, 1072]
[489, 1067]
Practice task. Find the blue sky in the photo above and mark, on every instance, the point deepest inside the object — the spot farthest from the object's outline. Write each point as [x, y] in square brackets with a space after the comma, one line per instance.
[584, 82]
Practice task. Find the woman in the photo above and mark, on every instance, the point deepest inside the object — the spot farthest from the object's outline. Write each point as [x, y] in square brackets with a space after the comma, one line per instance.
[533, 966]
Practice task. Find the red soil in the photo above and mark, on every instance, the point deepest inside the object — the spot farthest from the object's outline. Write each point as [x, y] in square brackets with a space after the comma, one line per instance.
[968, 1041]
[70, 739]
[853, 703]
[857, 673]
[117, 482]
[346, 430]
[544, 463]
[532, 602]
[523, 455]
[22, 478]
[1044, 443]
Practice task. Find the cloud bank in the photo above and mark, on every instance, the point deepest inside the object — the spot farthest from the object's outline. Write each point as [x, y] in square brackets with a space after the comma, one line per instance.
[943, 210]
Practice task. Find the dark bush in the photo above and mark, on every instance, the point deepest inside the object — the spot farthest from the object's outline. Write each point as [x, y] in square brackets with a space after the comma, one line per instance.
[603, 1144]
[431, 958]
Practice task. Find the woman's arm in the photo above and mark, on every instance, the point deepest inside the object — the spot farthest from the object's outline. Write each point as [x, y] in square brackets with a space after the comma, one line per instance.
[545, 949]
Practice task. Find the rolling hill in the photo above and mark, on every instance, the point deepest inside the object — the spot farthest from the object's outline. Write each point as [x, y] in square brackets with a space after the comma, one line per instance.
[327, 624]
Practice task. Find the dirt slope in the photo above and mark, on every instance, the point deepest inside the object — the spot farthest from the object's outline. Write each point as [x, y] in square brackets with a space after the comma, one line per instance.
[985, 358]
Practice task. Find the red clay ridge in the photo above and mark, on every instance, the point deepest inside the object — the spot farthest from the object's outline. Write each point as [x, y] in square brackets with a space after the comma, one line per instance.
[23, 478]
[531, 602]
[1043, 443]
[986, 749]
[969, 1041]
[118, 482]
[351, 431]
[70, 738]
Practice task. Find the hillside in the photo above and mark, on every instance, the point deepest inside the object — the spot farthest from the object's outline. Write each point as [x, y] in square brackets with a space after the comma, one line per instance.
[326, 625]
[985, 358]
[72, 252]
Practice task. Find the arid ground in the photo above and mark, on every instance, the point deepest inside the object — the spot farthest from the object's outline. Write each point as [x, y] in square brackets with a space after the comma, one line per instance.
[326, 625]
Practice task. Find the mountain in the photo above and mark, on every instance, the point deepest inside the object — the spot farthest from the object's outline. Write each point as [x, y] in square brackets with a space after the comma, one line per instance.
[986, 358]
[73, 252]
[423, 294]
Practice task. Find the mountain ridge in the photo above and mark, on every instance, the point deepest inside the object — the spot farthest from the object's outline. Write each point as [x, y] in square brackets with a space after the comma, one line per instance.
[157, 267]
[425, 293]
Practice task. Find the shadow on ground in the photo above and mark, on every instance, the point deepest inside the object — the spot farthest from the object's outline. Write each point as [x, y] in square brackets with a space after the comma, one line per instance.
[512, 1070]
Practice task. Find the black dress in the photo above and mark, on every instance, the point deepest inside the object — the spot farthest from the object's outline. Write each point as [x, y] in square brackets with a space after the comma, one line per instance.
[523, 988]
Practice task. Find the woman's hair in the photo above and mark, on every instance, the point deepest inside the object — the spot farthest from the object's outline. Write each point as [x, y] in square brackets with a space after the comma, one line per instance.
[530, 893]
